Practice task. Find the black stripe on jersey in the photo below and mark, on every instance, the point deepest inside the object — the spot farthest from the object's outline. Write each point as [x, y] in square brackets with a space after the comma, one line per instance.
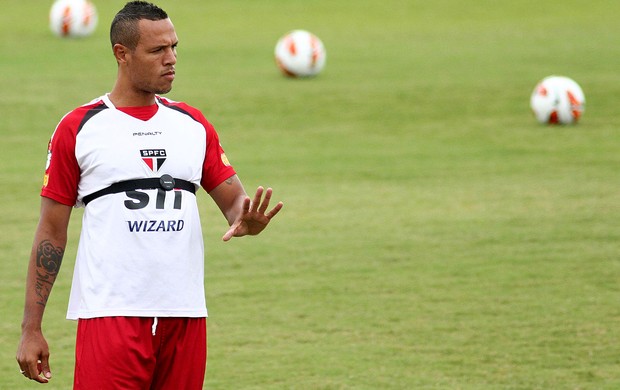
[91, 113]
[176, 108]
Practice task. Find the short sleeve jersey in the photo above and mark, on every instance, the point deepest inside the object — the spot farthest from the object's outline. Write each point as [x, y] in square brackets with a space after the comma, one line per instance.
[141, 252]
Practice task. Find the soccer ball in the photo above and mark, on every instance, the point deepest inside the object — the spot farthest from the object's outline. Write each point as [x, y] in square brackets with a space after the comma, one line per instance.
[300, 53]
[558, 100]
[73, 18]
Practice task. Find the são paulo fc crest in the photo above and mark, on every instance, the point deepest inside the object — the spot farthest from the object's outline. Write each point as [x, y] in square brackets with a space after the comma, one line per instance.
[153, 158]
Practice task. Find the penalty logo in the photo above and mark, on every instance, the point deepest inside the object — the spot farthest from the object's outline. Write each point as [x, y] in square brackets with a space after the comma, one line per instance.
[153, 158]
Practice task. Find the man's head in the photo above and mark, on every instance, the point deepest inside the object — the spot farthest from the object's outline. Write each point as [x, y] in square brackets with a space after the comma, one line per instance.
[144, 43]
[124, 29]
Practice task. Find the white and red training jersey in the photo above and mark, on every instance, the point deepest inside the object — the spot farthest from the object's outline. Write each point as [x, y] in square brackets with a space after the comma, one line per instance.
[141, 252]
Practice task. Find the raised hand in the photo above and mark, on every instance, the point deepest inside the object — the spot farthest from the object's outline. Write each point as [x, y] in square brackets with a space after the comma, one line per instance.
[253, 218]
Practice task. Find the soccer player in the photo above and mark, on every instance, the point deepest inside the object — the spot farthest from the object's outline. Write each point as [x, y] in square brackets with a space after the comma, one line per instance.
[134, 160]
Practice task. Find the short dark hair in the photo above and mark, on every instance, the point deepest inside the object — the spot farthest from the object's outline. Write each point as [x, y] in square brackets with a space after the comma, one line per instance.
[124, 28]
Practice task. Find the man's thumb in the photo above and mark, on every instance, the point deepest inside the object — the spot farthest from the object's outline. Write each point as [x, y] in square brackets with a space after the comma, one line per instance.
[45, 368]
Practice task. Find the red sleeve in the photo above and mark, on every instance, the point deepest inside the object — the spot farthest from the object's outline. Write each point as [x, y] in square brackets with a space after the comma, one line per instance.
[62, 173]
[216, 167]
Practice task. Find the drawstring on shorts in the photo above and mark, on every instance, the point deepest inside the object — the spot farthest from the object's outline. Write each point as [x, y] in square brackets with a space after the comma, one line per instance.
[154, 327]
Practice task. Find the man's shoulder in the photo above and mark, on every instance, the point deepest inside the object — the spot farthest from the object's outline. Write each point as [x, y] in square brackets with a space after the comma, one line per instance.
[77, 117]
[95, 104]
[184, 108]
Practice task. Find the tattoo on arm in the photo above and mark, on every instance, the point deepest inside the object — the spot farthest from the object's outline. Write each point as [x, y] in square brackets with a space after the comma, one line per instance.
[230, 180]
[49, 259]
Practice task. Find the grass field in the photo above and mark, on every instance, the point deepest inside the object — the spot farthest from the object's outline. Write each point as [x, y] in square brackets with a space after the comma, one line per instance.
[434, 236]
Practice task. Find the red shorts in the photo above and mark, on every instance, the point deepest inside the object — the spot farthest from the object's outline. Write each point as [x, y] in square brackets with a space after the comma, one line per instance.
[140, 353]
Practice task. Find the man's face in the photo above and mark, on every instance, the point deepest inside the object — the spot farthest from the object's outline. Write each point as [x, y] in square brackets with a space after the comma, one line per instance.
[151, 64]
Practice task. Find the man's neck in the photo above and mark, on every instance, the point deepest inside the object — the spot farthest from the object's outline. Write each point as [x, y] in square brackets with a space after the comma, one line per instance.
[130, 98]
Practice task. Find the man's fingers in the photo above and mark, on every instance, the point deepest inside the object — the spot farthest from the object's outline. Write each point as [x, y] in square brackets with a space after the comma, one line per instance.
[246, 205]
[231, 231]
[265, 203]
[275, 210]
[34, 370]
[228, 235]
[45, 368]
[257, 198]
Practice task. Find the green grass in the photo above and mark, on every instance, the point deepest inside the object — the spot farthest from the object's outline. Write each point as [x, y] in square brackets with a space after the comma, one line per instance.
[434, 236]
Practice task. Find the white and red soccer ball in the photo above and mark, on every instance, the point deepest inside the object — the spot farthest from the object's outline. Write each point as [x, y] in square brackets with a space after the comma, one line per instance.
[300, 53]
[558, 100]
[73, 18]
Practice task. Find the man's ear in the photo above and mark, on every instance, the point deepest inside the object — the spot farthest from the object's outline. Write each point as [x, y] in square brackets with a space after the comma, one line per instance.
[120, 53]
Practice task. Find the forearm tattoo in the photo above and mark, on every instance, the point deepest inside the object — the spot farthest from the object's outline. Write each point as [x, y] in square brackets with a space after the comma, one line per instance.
[49, 259]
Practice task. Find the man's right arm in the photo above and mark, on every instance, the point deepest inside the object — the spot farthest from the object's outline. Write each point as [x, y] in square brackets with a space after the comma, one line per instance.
[45, 260]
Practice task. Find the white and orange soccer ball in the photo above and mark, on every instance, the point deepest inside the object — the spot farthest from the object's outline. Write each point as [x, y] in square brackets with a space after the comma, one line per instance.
[73, 18]
[558, 100]
[300, 53]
